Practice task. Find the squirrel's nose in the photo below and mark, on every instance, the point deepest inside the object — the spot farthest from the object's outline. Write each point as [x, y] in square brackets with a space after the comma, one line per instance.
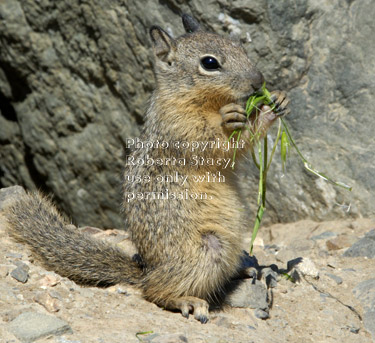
[256, 78]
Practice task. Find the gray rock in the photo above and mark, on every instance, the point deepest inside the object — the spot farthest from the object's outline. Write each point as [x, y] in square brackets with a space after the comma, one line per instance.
[353, 329]
[365, 293]
[20, 274]
[324, 235]
[30, 326]
[335, 278]
[302, 266]
[9, 195]
[369, 322]
[74, 85]
[365, 247]
[261, 314]
[249, 295]
[13, 255]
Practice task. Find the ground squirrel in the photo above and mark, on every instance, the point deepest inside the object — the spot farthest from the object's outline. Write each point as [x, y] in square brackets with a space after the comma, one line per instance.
[189, 249]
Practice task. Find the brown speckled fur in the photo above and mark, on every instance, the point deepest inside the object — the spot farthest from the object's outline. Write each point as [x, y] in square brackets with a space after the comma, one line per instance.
[190, 249]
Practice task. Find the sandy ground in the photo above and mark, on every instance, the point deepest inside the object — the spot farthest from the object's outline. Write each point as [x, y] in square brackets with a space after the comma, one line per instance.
[324, 309]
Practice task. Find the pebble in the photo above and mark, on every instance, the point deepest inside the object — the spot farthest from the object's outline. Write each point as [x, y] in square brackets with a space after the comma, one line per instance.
[47, 301]
[353, 329]
[50, 280]
[324, 235]
[261, 314]
[302, 266]
[14, 255]
[30, 326]
[340, 242]
[365, 247]
[335, 278]
[249, 295]
[20, 274]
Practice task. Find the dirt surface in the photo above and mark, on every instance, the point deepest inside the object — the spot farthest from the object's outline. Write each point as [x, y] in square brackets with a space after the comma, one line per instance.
[327, 308]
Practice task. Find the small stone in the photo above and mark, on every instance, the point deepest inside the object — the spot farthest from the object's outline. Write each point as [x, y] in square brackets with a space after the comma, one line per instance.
[302, 266]
[123, 291]
[365, 247]
[335, 278]
[258, 242]
[49, 280]
[324, 235]
[249, 295]
[353, 328]
[30, 326]
[49, 303]
[20, 274]
[9, 195]
[340, 242]
[261, 314]
[56, 295]
[22, 265]
[14, 255]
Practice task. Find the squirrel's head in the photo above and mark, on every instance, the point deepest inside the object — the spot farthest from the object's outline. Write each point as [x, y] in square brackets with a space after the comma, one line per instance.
[202, 66]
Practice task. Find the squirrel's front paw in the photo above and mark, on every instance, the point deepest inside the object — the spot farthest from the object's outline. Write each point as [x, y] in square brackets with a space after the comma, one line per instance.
[234, 117]
[281, 102]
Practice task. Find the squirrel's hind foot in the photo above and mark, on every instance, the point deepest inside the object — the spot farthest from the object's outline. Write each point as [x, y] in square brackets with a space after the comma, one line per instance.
[190, 304]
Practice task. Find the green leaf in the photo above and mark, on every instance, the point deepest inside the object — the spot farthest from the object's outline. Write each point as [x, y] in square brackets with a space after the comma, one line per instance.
[284, 148]
[266, 93]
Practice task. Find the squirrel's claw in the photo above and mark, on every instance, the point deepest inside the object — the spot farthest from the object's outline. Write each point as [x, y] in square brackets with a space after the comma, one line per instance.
[191, 304]
[281, 102]
[233, 117]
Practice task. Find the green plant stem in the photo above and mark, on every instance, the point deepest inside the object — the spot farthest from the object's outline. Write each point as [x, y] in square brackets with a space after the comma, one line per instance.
[275, 145]
[308, 166]
[264, 178]
[258, 219]
[254, 157]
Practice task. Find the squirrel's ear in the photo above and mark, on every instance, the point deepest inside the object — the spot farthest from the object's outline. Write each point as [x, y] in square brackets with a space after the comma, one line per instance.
[190, 23]
[164, 44]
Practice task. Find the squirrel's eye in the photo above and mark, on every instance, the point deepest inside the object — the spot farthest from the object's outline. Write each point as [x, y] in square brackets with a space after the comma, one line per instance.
[210, 63]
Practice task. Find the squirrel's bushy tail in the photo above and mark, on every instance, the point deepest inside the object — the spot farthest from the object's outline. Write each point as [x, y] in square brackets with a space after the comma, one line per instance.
[35, 221]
